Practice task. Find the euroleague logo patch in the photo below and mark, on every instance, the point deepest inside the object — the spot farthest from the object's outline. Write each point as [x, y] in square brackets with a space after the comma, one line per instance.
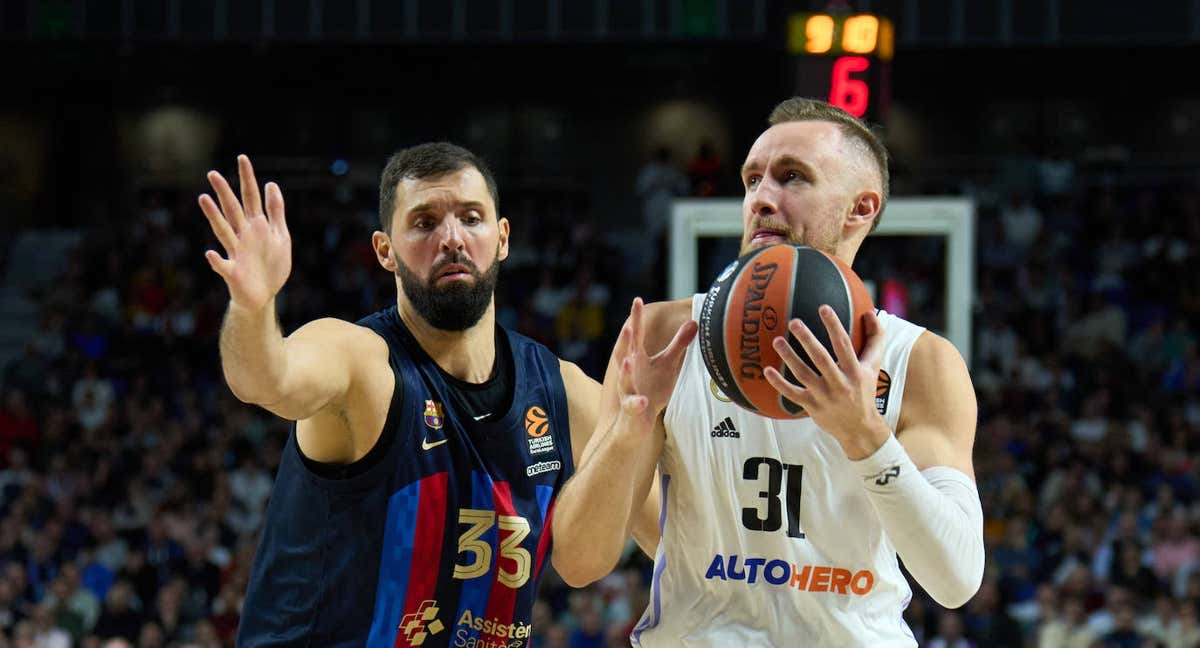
[537, 428]
[883, 387]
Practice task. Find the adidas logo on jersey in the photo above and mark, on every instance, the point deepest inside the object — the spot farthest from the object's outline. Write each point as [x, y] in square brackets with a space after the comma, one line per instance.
[726, 429]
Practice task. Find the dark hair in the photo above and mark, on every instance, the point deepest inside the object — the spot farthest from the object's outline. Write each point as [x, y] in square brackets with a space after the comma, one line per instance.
[429, 160]
[804, 109]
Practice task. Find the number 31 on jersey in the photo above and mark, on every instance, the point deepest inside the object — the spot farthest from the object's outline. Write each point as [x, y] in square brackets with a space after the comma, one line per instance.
[777, 475]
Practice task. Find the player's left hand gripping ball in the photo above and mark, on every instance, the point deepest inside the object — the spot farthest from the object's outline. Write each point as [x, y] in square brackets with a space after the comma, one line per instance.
[841, 399]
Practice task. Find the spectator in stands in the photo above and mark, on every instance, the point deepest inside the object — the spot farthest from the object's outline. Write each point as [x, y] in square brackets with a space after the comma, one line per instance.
[119, 618]
[659, 182]
[1124, 633]
[987, 622]
[18, 423]
[950, 632]
[46, 632]
[1022, 223]
[1068, 630]
[704, 170]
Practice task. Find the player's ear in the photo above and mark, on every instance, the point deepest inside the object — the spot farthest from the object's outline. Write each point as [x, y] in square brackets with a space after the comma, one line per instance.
[866, 208]
[502, 225]
[383, 250]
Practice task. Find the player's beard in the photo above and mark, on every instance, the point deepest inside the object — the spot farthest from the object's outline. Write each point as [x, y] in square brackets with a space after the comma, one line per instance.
[456, 306]
[826, 241]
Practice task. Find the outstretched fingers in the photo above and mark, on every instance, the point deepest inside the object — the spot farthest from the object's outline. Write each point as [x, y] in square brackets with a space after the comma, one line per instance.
[251, 199]
[816, 351]
[220, 227]
[786, 388]
[678, 347]
[872, 353]
[631, 401]
[843, 348]
[275, 206]
[230, 207]
[803, 373]
[624, 341]
[219, 265]
[637, 334]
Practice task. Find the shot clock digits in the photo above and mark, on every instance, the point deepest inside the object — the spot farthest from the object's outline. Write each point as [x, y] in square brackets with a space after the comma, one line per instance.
[844, 59]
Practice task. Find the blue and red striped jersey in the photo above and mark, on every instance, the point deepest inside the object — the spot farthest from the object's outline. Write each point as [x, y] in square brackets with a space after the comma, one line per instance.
[441, 541]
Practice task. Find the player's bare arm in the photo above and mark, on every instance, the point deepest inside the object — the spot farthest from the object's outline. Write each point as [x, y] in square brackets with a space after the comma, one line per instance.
[920, 481]
[314, 374]
[938, 415]
[583, 399]
[610, 492]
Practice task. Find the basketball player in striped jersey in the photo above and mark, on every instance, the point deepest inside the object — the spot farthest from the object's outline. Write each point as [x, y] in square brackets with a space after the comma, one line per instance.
[787, 532]
[413, 501]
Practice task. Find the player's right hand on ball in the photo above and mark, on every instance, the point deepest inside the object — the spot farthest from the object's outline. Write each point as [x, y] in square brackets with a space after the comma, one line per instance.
[645, 382]
[258, 247]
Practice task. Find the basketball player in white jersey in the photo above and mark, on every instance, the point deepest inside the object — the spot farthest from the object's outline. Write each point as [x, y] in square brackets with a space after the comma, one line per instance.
[786, 532]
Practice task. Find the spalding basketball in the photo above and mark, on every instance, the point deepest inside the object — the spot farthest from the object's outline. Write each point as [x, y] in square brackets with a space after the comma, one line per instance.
[750, 304]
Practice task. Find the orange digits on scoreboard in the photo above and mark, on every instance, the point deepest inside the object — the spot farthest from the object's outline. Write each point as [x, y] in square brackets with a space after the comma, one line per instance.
[886, 41]
[818, 34]
[860, 34]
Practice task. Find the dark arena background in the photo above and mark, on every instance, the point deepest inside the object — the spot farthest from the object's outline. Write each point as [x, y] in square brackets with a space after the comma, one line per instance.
[1046, 218]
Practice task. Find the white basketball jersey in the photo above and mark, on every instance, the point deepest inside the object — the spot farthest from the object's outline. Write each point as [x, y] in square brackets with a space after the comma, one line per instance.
[768, 538]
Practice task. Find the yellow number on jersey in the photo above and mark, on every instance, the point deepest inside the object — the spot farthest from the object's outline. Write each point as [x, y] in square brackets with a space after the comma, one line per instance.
[469, 542]
[480, 564]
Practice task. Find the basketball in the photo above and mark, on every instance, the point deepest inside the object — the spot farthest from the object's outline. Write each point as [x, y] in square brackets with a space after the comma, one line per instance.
[750, 304]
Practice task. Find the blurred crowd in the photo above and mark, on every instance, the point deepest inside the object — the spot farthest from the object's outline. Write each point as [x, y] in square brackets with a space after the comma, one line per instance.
[133, 485]
[1086, 455]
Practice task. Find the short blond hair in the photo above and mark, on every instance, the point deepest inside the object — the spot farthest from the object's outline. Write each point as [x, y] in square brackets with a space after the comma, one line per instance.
[805, 109]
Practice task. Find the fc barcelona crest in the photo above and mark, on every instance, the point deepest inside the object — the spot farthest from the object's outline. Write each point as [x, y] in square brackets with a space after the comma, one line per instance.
[433, 414]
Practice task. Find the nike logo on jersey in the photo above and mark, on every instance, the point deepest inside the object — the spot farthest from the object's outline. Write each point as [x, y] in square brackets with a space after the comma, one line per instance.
[726, 429]
[481, 416]
[426, 445]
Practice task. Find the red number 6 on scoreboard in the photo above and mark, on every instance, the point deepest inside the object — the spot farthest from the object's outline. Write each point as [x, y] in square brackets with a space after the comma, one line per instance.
[846, 93]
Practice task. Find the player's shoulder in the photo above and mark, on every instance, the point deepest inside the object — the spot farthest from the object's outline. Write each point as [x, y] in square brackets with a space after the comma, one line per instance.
[662, 320]
[932, 351]
[577, 383]
[341, 336]
[936, 373]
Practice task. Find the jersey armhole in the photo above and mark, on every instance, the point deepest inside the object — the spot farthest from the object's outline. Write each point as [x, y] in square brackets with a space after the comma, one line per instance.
[895, 363]
[349, 473]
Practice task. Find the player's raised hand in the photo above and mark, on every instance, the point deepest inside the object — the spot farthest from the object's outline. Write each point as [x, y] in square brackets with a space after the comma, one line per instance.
[841, 397]
[645, 382]
[258, 247]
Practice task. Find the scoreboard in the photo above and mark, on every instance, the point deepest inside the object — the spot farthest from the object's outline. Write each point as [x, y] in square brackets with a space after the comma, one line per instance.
[844, 59]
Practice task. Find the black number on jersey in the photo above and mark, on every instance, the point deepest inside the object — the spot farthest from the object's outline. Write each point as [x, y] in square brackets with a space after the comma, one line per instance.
[752, 517]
